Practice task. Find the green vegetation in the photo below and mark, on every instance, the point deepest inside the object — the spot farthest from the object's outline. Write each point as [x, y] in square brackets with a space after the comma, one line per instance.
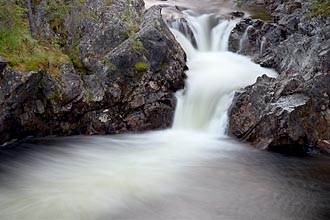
[320, 8]
[19, 47]
[164, 66]
[56, 97]
[137, 46]
[57, 11]
[74, 55]
[141, 67]
[27, 51]
[89, 96]
[26, 54]
[11, 14]
[128, 18]
[258, 12]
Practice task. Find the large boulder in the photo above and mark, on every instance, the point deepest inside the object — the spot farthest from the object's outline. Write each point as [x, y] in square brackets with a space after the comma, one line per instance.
[283, 114]
[128, 84]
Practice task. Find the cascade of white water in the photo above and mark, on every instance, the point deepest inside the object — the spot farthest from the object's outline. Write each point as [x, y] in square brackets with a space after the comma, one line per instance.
[244, 38]
[200, 25]
[220, 35]
[214, 75]
[262, 44]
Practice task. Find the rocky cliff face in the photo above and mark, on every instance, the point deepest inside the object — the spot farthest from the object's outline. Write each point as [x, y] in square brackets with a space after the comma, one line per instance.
[292, 111]
[132, 65]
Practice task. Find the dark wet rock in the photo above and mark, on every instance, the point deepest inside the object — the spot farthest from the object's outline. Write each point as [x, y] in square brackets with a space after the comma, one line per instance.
[3, 64]
[129, 84]
[275, 114]
[237, 14]
[324, 146]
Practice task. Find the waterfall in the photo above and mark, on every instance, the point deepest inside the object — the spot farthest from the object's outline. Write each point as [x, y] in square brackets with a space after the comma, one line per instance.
[244, 39]
[262, 44]
[214, 74]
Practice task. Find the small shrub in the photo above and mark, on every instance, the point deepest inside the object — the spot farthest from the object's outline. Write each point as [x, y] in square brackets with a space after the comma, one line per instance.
[89, 96]
[141, 67]
[26, 54]
[137, 46]
[129, 19]
[126, 35]
[74, 55]
[56, 97]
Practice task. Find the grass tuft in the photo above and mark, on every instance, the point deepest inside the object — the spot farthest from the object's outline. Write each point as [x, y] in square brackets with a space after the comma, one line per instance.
[26, 54]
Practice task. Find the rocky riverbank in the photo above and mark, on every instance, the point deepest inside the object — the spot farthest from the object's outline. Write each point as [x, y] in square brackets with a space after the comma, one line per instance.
[131, 67]
[291, 112]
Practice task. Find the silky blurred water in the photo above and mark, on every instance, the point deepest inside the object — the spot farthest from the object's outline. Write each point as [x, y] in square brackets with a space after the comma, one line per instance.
[159, 175]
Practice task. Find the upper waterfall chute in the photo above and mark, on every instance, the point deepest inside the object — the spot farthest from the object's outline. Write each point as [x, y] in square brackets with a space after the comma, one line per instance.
[209, 33]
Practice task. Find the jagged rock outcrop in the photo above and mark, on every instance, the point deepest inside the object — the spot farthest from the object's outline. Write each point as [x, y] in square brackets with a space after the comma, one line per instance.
[252, 37]
[290, 112]
[305, 51]
[132, 63]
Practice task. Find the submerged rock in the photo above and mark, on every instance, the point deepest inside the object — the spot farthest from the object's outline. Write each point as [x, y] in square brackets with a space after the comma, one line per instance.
[128, 85]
